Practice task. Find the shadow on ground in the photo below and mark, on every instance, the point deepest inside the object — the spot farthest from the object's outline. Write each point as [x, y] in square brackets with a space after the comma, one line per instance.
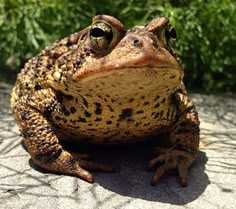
[131, 178]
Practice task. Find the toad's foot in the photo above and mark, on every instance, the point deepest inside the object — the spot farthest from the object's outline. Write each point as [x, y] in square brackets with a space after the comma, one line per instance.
[74, 164]
[85, 162]
[171, 159]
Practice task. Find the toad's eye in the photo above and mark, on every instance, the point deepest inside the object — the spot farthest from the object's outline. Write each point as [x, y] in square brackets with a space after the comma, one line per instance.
[169, 38]
[170, 33]
[101, 36]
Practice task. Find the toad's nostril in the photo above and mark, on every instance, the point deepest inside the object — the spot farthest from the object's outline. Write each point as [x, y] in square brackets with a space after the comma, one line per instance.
[136, 42]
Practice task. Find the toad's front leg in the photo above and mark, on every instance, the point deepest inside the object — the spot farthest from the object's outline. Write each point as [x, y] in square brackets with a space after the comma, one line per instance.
[41, 140]
[184, 138]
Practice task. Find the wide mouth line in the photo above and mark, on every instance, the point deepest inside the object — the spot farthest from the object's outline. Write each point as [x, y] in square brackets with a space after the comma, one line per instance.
[151, 67]
[92, 73]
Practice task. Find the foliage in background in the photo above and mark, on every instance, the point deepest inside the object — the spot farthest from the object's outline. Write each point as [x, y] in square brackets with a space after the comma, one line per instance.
[206, 31]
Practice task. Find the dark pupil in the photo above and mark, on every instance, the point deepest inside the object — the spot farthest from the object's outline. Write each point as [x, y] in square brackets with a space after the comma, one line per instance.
[172, 33]
[97, 32]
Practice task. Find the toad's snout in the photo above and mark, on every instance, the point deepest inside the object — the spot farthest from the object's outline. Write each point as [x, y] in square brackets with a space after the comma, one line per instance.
[143, 49]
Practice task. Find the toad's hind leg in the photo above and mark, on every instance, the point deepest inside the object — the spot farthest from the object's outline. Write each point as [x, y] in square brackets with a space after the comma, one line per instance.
[184, 138]
[44, 147]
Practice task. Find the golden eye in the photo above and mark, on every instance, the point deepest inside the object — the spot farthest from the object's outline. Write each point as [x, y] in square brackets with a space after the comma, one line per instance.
[101, 36]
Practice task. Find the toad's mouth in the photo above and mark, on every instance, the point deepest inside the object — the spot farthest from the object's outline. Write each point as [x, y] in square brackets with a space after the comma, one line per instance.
[121, 73]
[93, 70]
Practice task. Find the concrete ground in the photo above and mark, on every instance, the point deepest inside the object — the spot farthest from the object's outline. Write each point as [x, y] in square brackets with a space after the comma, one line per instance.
[212, 178]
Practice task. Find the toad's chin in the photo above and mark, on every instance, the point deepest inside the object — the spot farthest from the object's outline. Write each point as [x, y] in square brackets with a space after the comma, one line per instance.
[121, 83]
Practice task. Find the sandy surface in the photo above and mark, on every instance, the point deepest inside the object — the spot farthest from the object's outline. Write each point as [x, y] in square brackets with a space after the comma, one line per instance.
[212, 178]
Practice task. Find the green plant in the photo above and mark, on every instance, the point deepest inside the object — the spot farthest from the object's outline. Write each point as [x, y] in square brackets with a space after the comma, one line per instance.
[206, 31]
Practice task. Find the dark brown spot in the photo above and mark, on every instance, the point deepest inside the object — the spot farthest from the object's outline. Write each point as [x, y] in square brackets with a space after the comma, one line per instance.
[65, 111]
[157, 105]
[156, 115]
[83, 120]
[125, 114]
[110, 108]
[131, 100]
[72, 110]
[19, 94]
[69, 97]
[137, 124]
[37, 87]
[157, 97]
[163, 100]
[106, 132]
[168, 113]
[146, 103]
[85, 102]
[47, 111]
[139, 112]
[161, 113]
[58, 118]
[59, 97]
[98, 119]
[24, 115]
[172, 76]
[130, 120]
[87, 114]
[91, 129]
[109, 122]
[73, 121]
[98, 108]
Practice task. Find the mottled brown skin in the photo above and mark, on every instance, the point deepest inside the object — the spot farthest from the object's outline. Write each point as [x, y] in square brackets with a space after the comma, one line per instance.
[107, 85]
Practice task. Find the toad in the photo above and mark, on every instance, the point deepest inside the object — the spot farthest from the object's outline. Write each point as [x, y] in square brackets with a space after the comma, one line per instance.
[107, 85]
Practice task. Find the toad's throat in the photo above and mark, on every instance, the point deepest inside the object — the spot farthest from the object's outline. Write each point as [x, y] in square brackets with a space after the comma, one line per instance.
[123, 105]
[120, 83]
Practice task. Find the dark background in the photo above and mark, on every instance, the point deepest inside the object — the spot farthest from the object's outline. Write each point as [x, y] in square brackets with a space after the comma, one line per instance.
[206, 31]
